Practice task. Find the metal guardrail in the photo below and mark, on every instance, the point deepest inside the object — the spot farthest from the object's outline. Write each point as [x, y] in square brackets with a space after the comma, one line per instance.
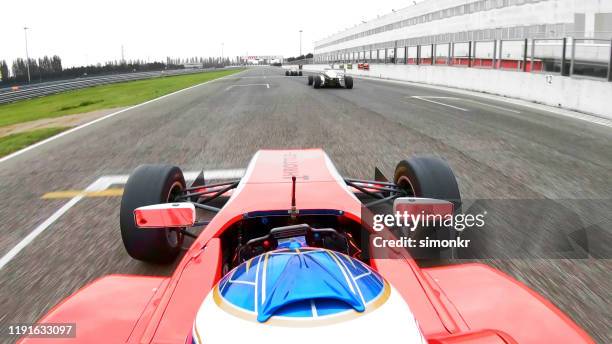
[10, 94]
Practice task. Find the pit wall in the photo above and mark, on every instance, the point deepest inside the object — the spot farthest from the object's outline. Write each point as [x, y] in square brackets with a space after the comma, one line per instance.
[578, 94]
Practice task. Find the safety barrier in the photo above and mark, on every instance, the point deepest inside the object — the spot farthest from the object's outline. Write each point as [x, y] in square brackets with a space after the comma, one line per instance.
[588, 95]
[16, 93]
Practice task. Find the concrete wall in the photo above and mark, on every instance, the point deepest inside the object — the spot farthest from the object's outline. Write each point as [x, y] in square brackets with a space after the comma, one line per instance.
[583, 95]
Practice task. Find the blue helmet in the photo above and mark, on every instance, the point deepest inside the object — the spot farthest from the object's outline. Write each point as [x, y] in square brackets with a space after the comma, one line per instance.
[297, 287]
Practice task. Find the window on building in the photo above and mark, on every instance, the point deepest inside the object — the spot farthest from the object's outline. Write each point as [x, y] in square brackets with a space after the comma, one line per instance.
[390, 56]
[442, 53]
[425, 54]
[411, 57]
[401, 54]
[603, 25]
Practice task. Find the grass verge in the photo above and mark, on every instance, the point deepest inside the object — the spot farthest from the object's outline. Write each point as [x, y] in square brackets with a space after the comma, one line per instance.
[14, 142]
[101, 97]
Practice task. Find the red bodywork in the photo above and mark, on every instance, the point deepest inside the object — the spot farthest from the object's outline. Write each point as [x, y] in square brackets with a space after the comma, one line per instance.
[469, 303]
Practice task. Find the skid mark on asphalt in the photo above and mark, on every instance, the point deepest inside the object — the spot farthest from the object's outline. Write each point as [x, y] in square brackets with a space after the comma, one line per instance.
[99, 187]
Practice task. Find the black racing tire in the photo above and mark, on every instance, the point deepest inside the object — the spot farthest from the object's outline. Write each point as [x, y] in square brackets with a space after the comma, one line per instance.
[148, 185]
[286, 73]
[300, 73]
[310, 80]
[430, 177]
[317, 82]
[348, 82]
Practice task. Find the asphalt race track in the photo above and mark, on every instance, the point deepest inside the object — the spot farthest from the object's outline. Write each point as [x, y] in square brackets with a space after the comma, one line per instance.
[497, 149]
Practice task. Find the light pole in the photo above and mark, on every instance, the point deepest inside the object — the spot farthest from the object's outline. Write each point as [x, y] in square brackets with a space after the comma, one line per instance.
[25, 32]
[300, 42]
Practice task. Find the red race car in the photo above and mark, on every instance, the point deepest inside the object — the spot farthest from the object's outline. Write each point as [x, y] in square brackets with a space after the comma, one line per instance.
[287, 258]
[363, 66]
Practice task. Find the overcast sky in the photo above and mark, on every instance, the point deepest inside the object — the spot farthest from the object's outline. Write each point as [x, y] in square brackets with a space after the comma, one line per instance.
[84, 31]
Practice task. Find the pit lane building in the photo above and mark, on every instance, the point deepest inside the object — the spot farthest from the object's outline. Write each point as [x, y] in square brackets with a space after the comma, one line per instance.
[514, 34]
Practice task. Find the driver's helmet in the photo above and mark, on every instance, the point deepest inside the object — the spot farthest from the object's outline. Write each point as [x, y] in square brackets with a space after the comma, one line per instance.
[300, 294]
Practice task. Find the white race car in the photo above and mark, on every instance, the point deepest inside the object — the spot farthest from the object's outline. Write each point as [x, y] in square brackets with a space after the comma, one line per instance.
[294, 71]
[331, 78]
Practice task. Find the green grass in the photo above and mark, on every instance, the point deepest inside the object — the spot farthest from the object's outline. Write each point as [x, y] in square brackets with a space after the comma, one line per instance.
[15, 142]
[101, 97]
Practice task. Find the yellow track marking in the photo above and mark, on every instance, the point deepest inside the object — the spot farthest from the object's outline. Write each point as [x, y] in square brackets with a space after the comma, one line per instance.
[74, 193]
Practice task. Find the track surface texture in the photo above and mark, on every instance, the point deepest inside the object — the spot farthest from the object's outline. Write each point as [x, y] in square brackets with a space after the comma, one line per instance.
[495, 153]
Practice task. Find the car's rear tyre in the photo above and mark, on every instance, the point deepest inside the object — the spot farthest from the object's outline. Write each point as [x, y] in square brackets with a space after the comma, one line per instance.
[317, 82]
[348, 82]
[310, 80]
[299, 73]
[286, 73]
[430, 177]
[147, 185]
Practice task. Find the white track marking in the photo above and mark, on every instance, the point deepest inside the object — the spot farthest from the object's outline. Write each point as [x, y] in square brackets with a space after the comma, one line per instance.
[436, 97]
[220, 174]
[101, 184]
[69, 131]
[245, 85]
[466, 100]
[489, 105]
[515, 101]
[98, 185]
[30, 237]
[189, 175]
[439, 103]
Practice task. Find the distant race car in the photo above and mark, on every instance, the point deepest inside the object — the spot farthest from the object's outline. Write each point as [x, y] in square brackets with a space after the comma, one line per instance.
[294, 71]
[287, 258]
[331, 78]
[363, 66]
